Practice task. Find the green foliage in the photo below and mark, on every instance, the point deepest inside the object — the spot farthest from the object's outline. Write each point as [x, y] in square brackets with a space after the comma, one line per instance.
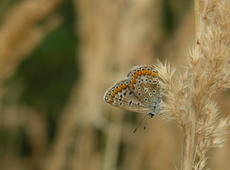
[49, 73]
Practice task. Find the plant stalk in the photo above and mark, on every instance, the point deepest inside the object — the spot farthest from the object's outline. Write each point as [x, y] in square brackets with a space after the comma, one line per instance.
[190, 126]
[197, 20]
[189, 147]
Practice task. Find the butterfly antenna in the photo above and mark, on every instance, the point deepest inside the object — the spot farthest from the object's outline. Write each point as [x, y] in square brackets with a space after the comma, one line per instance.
[140, 123]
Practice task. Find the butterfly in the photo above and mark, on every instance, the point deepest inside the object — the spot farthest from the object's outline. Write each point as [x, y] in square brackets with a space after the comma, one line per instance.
[139, 91]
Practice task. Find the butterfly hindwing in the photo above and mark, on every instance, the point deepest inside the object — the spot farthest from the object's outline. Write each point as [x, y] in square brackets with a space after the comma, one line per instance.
[145, 84]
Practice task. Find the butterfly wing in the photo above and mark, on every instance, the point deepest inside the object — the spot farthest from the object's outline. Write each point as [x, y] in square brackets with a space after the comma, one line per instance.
[144, 82]
[120, 95]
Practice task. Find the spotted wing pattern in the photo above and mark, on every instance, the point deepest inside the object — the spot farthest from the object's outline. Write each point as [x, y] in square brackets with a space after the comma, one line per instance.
[121, 96]
[144, 82]
[139, 92]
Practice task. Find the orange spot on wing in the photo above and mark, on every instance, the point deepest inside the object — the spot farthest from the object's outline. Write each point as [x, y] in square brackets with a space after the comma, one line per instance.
[149, 72]
[133, 81]
[139, 73]
[142, 72]
[117, 90]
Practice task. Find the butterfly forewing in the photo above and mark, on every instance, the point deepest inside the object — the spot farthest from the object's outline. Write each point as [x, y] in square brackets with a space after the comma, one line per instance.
[122, 96]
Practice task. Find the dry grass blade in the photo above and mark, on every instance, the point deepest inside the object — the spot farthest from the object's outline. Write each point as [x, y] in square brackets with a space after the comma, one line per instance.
[21, 32]
[189, 96]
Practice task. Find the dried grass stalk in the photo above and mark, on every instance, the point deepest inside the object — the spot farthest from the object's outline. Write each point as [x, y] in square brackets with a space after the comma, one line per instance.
[20, 32]
[189, 96]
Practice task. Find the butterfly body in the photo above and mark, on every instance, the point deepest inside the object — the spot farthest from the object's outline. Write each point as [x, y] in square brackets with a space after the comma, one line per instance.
[138, 92]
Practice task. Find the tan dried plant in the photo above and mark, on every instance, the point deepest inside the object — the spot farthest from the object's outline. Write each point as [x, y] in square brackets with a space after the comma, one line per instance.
[21, 31]
[189, 95]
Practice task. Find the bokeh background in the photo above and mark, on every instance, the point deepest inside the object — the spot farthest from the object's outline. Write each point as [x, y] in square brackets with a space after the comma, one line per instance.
[57, 58]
